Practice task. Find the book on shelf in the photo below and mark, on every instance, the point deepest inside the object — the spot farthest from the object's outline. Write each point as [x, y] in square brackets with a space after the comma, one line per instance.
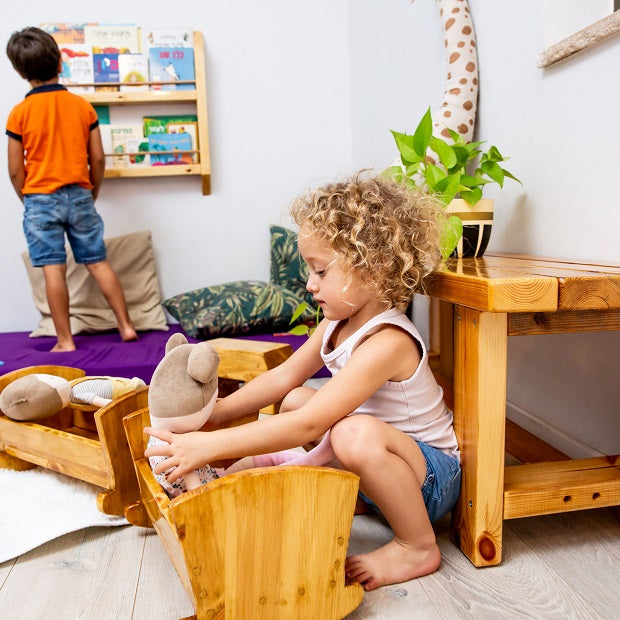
[159, 123]
[174, 147]
[126, 139]
[105, 69]
[167, 38]
[103, 114]
[113, 38]
[171, 64]
[133, 71]
[76, 67]
[191, 128]
[66, 32]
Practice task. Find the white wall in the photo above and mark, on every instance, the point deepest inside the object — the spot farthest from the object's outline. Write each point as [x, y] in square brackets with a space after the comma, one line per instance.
[559, 127]
[301, 91]
[279, 121]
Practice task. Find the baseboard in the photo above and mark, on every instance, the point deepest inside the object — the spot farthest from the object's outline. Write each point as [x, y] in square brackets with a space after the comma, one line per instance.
[555, 437]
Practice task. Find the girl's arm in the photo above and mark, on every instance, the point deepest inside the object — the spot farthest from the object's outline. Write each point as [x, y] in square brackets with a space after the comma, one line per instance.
[96, 160]
[17, 170]
[381, 357]
[273, 385]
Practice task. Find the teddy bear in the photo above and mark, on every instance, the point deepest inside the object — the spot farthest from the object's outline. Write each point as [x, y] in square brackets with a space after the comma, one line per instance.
[38, 395]
[182, 395]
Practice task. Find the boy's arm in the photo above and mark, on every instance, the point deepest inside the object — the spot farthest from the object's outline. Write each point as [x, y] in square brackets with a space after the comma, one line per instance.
[17, 170]
[96, 160]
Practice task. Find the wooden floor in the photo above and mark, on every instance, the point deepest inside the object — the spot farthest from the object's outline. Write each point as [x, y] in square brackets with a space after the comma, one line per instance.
[556, 566]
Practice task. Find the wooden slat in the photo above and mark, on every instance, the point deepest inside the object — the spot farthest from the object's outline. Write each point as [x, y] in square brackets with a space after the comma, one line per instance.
[75, 456]
[202, 113]
[528, 448]
[544, 488]
[589, 293]
[517, 294]
[140, 97]
[537, 323]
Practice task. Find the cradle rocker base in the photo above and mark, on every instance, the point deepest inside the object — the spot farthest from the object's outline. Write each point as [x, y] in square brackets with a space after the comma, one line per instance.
[81, 441]
[267, 543]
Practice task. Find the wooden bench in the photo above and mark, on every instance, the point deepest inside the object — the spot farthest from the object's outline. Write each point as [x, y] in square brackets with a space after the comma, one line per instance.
[482, 302]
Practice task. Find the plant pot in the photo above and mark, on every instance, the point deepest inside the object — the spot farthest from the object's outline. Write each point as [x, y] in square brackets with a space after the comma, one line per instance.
[477, 223]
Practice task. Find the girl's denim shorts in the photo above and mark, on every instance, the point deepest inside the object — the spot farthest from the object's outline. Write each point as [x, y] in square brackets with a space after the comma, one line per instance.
[442, 484]
[69, 210]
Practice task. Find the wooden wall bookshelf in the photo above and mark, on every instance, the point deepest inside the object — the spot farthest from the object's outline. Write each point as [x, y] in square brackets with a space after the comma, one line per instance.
[197, 96]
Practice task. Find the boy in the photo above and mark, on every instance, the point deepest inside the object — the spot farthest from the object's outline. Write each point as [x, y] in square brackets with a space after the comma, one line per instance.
[56, 165]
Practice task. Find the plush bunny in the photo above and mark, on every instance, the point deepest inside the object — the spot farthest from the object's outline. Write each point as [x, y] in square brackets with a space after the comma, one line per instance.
[182, 395]
[39, 395]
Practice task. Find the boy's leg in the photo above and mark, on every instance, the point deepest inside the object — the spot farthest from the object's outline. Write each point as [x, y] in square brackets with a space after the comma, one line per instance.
[392, 470]
[58, 300]
[110, 286]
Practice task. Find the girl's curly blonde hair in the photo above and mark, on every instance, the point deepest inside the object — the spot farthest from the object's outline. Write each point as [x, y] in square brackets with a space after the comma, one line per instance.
[383, 231]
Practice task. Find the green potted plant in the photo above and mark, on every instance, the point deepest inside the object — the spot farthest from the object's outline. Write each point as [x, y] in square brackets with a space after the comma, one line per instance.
[457, 175]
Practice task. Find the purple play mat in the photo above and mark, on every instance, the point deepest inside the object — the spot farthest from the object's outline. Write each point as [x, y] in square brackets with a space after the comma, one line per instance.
[105, 353]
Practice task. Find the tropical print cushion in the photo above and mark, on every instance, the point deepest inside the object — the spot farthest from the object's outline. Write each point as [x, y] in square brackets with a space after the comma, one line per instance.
[235, 309]
[287, 267]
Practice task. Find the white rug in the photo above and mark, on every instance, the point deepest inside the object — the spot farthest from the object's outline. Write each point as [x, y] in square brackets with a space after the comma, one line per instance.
[39, 505]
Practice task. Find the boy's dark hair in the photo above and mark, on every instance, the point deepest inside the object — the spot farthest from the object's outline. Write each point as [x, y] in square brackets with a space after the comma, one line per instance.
[34, 54]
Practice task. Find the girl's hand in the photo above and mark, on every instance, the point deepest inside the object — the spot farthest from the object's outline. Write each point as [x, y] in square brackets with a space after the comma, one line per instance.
[185, 452]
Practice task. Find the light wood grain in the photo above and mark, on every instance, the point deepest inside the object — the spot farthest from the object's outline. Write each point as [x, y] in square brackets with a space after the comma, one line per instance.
[480, 353]
[538, 323]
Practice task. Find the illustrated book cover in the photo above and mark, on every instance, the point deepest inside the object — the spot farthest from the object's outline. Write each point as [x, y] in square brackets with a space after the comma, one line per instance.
[127, 139]
[133, 71]
[105, 68]
[113, 38]
[159, 123]
[191, 128]
[172, 146]
[66, 32]
[77, 67]
[172, 65]
[168, 38]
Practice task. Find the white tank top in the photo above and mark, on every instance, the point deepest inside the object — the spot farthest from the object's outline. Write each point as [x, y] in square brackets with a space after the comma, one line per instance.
[415, 405]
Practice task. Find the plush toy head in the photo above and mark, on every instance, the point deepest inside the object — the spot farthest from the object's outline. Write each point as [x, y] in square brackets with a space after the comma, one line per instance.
[183, 389]
[35, 396]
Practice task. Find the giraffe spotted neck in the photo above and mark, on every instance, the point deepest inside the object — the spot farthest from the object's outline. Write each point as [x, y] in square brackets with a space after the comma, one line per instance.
[458, 107]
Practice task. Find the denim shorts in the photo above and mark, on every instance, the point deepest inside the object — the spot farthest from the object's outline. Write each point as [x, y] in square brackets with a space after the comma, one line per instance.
[442, 484]
[70, 210]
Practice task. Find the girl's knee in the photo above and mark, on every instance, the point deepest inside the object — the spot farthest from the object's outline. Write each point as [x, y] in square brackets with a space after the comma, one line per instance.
[352, 438]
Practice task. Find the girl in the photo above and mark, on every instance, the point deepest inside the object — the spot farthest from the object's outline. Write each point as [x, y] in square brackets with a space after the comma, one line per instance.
[368, 243]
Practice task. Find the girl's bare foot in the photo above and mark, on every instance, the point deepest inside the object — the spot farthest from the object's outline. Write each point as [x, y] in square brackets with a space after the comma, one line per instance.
[392, 563]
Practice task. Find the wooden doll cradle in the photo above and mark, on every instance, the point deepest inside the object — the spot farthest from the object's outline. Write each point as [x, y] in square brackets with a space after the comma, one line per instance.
[267, 543]
[81, 441]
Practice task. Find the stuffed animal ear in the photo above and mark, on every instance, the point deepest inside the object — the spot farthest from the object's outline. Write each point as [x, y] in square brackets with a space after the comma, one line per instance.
[176, 340]
[203, 362]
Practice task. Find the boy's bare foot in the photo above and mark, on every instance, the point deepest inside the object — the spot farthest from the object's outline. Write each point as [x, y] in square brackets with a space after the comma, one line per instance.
[128, 334]
[63, 347]
[392, 563]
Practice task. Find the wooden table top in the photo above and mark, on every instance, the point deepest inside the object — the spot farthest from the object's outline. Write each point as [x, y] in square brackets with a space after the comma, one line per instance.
[520, 283]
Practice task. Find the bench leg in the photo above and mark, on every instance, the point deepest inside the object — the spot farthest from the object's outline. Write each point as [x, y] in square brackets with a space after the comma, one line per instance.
[480, 352]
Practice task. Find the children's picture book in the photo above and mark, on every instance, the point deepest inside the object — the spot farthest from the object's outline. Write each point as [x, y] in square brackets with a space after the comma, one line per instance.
[113, 38]
[103, 114]
[77, 67]
[105, 68]
[172, 146]
[190, 128]
[127, 139]
[168, 38]
[64, 33]
[172, 65]
[159, 123]
[133, 71]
